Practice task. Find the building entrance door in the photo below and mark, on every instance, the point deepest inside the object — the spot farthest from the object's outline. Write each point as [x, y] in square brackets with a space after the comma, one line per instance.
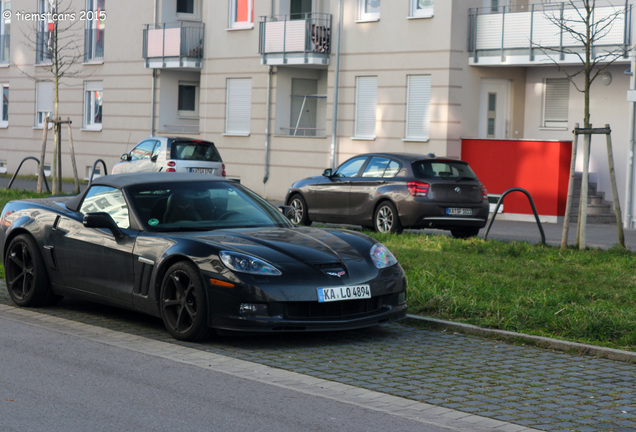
[494, 107]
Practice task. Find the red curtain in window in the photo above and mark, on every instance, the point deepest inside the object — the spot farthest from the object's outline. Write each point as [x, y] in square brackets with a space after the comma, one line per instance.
[243, 10]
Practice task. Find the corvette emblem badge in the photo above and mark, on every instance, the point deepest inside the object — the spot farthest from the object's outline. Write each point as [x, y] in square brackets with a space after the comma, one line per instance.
[337, 274]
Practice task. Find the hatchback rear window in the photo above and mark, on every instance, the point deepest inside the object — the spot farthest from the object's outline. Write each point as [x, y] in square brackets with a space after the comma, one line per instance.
[432, 169]
[195, 150]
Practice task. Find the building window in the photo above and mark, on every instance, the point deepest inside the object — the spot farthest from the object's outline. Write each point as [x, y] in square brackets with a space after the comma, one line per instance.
[188, 99]
[45, 30]
[93, 92]
[422, 8]
[241, 13]
[366, 105]
[187, 9]
[4, 107]
[94, 37]
[5, 30]
[369, 10]
[307, 107]
[556, 99]
[418, 104]
[43, 102]
[238, 106]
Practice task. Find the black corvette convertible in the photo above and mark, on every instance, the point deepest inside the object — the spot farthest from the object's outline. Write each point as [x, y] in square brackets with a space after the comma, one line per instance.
[201, 254]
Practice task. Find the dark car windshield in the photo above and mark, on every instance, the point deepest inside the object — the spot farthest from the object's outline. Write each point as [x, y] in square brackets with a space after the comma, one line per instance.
[194, 150]
[443, 169]
[202, 206]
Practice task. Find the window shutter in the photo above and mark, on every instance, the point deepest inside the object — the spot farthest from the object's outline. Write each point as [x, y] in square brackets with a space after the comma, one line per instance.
[239, 106]
[366, 106]
[556, 102]
[418, 107]
[44, 96]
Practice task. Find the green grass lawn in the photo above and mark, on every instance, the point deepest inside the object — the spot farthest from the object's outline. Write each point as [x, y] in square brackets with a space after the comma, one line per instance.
[584, 296]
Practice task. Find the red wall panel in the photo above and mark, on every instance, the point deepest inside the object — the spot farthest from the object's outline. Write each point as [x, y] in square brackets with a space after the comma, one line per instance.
[540, 167]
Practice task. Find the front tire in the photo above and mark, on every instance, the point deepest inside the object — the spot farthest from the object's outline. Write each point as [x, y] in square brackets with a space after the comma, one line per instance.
[27, 280]
[184, 307]
[386, 219]
[300, 211]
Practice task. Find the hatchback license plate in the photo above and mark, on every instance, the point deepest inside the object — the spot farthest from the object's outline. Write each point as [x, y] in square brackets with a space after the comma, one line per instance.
[201, 170]
[344, 293]
[454, 211]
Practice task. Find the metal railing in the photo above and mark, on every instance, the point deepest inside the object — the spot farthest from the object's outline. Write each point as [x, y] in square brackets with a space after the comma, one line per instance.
[534, 210]
[296, 33]
[18, 170]
[178, 39]
[522, 30]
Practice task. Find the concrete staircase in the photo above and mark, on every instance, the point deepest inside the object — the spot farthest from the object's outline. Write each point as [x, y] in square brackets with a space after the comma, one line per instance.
[599, 210]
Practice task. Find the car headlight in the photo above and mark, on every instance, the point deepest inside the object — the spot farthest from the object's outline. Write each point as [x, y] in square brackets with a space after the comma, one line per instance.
[381, 256]
[244, 263]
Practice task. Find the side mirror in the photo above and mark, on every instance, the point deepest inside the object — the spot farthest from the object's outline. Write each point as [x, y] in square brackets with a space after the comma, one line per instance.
[154, 158]
[125, 157]
[288, 211]
[328, 172]
[102, 220]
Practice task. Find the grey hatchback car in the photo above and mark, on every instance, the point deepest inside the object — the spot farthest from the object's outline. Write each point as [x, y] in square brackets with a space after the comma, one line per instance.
[388, 192]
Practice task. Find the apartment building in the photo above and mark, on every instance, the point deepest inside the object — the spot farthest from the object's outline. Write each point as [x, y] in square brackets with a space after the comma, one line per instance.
[265, 79]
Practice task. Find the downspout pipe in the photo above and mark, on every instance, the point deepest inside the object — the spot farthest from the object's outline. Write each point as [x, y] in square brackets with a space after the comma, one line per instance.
[629, 207]
[336, 84]
[267, 122]
[154, 81]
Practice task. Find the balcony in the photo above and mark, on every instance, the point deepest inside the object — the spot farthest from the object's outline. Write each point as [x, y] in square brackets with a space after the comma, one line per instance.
[300, 39]
[174, 45]
[528, 34]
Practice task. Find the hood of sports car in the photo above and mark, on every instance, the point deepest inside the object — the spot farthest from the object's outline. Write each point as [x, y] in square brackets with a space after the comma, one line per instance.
[309, 245]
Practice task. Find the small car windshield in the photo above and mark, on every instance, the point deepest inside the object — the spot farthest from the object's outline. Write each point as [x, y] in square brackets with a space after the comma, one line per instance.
[443, 169]
[202, 206]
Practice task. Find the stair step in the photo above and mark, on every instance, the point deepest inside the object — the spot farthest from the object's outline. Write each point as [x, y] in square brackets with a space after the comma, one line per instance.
[598, 209]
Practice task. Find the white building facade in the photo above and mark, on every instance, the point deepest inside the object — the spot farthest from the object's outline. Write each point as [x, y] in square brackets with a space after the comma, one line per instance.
[265, 79]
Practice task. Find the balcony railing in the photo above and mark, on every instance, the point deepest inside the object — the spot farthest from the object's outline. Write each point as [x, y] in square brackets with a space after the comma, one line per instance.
[295, 39]
[531, 34]
[173, 45]
[5, 40]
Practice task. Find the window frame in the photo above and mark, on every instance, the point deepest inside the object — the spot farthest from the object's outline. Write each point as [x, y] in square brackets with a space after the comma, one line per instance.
[43, 53]
[238, 106]
[189, 114]
[94, 32]
[43, 106]
[5, 48]
[4, 105]
[234, 8]
[425, 12]
[418, 106]
[365, 16]
[555, 103]
[366, 107]
[188, 16]
[90, 90]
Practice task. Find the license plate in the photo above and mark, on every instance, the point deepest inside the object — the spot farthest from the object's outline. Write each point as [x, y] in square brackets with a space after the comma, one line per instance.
[344, 293]
[201, 170]
[453, 211]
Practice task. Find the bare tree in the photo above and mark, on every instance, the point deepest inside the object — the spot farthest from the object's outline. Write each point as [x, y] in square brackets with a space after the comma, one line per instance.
[588, 28]
[56, 42]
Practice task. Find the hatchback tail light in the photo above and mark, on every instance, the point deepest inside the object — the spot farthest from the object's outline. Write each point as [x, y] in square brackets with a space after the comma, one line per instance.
[418, 189]
[223, 168]
[484, 192]
[171, 165]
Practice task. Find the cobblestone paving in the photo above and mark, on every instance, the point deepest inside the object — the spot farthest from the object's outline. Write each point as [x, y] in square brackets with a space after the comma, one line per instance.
[524, 385]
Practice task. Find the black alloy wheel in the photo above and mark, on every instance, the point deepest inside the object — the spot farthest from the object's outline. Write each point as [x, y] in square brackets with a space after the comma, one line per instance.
[27, 280]
[300, 215]
[183, 302]
[386, 219]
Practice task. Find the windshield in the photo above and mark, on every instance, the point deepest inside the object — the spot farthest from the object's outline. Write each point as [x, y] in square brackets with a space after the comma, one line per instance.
[202, 206]
[443, 169]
